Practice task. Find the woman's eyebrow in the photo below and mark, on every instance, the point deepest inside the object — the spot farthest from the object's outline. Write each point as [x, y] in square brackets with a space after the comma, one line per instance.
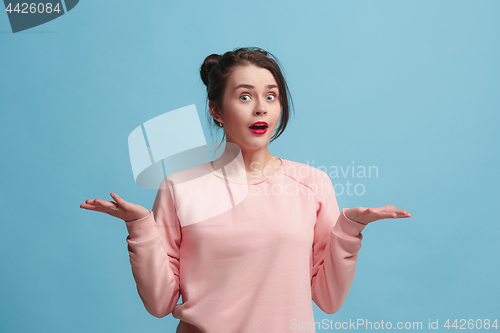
[249, 86]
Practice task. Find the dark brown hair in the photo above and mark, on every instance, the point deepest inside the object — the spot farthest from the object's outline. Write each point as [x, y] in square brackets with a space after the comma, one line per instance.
[216, 69]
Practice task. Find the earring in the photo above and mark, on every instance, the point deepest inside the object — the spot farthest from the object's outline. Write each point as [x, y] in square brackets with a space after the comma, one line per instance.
[220, 124]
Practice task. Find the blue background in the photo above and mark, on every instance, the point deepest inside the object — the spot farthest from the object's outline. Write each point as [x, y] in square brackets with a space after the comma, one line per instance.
[411, 87]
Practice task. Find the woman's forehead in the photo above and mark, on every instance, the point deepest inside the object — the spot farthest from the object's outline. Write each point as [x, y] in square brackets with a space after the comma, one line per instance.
[251, 75]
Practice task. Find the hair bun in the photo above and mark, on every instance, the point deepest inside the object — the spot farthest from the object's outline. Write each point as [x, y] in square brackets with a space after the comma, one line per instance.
[207, 66]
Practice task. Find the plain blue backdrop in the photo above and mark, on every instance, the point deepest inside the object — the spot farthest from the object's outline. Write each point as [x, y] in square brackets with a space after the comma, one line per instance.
[411, 87]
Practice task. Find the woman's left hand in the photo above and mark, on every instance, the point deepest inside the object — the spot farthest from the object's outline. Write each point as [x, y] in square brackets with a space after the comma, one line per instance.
[366, 215]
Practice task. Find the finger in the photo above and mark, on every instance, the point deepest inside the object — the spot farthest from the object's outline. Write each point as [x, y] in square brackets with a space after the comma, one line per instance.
[121, 203]
[94, 203]
[397, 211]
[400, 214]
[384, 214]
[89, 201]
[105, 204]
[403, 213]
[91, 207]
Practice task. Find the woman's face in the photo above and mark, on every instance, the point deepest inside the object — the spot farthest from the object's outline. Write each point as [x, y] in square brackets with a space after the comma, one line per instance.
[251, 95]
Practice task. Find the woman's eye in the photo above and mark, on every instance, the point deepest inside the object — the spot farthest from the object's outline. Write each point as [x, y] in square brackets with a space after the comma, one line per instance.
[244, 96]
[273, 97]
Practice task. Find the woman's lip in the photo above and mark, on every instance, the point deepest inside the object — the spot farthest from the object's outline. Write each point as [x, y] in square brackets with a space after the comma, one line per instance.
[258, 131]
[260, 123]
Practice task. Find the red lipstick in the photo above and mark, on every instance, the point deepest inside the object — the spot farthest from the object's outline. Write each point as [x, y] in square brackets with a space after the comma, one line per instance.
[259, 127]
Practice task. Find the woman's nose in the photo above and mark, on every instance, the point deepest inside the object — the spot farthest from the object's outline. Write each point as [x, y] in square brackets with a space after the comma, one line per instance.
[260, 107]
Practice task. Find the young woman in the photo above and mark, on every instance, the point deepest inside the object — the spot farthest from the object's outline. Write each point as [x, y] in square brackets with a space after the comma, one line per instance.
[255, 238]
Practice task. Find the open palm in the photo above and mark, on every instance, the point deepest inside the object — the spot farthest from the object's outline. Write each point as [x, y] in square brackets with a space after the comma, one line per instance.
[366, 215]
[121, 209]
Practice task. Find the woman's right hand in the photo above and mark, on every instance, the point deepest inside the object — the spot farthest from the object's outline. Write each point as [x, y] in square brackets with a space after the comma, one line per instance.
[126, 211]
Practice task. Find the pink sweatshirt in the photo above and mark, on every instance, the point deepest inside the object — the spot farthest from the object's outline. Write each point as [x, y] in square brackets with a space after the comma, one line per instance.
[245, 256]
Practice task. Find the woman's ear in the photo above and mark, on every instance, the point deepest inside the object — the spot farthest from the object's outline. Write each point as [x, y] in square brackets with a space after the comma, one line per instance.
[212, 106]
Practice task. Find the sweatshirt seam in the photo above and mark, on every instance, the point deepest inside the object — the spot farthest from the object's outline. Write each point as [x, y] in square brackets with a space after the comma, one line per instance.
[298, 181]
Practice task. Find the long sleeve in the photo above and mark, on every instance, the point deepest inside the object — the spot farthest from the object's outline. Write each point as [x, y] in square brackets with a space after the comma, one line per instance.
[337, 240]
[153, 246]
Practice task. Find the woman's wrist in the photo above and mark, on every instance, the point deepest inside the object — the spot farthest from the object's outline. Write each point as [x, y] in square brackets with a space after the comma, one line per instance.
[139, 218]
[352, 215]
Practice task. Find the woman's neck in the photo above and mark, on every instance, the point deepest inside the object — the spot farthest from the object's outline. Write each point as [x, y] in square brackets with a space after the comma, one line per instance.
[243, 164]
